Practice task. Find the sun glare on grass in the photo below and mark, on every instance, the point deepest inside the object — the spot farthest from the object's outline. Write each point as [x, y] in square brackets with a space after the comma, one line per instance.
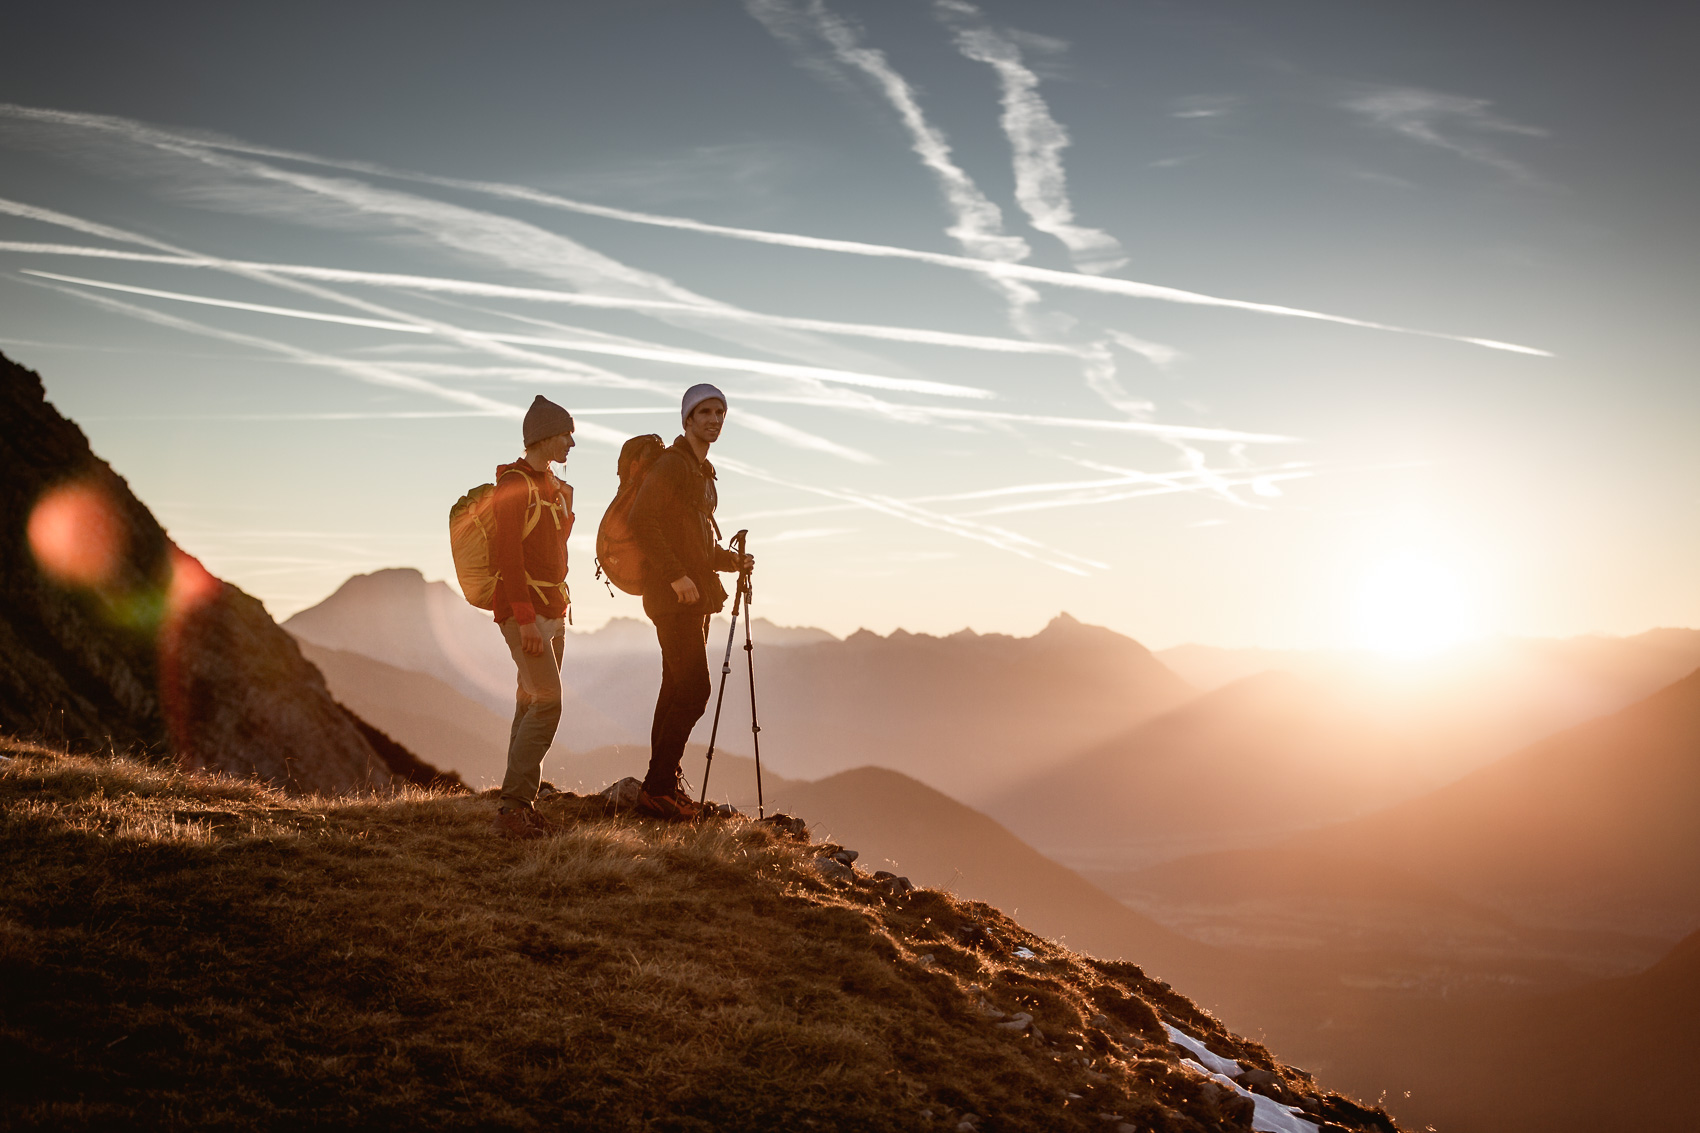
[1411, 605]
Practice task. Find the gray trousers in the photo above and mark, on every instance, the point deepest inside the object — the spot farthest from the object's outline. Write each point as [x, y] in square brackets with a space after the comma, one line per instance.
[537, 709]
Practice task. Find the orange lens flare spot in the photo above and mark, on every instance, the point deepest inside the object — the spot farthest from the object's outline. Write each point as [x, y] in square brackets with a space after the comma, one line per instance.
[77, 535]
[192, 585]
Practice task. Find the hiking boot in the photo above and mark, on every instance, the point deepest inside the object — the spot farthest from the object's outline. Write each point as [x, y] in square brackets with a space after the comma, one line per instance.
[668, 808]
[539, 823]
[513, 825]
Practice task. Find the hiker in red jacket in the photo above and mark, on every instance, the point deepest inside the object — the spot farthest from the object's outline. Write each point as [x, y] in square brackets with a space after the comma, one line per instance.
[534, 516]
[673, 522]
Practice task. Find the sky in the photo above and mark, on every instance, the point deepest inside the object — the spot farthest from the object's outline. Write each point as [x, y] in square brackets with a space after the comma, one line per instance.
[1287, 325]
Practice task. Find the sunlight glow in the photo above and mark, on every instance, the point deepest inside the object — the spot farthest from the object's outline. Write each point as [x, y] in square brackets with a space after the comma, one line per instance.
[1412, 605]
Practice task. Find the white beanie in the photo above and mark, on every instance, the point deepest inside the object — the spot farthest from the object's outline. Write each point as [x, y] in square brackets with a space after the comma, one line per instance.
[695, 396]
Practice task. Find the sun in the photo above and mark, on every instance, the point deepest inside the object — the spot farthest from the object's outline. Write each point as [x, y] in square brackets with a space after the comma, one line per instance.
[1413, 604]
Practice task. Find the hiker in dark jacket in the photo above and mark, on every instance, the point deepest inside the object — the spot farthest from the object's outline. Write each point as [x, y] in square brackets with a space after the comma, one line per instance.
[673, 522]
[534, 516]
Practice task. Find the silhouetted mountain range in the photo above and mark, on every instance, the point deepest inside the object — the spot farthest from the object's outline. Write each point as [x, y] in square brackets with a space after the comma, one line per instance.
[930, 706]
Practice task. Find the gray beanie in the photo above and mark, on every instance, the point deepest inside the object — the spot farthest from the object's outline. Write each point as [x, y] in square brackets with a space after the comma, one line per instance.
[545, 419]
[695, 396]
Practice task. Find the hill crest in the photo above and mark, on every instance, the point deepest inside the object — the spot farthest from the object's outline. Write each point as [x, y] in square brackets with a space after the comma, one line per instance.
[386, 961]
[111, 635]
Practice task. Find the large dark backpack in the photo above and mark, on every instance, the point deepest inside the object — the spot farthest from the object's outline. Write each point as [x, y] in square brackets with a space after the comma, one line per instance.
[619, 559]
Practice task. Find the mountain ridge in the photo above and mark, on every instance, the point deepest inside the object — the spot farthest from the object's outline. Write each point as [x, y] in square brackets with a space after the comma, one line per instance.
[112, 636]
[270, 962]
[919, 700]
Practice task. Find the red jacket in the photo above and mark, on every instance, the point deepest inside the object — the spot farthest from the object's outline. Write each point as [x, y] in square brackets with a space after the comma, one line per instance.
[532, 568]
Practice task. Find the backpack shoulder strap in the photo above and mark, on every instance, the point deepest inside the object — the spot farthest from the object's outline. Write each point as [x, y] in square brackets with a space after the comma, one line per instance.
[534, 504]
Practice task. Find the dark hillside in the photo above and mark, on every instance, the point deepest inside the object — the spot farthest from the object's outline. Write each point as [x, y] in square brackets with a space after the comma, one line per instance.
[111, 635]
[190, 951]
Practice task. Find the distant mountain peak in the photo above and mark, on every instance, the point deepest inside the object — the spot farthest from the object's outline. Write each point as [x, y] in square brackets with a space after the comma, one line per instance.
[1066, 629]
[385, 578]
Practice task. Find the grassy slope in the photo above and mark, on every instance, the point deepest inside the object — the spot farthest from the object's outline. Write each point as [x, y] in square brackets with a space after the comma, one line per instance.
[939, 842]
[184, 950]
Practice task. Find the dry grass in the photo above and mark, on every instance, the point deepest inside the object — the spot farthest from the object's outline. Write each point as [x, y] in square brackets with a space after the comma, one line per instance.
[185, 951]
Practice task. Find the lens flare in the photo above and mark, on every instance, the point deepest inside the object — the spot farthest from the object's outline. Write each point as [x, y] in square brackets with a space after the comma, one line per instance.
[77, 535]
[190, 589]
[192, 585]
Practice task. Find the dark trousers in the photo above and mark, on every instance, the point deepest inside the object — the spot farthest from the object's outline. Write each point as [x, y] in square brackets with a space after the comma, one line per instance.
[684, 696]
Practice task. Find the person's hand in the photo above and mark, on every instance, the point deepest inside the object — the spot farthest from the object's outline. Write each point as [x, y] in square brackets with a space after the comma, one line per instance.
[531, 639]
[746, 564]
[687, 591]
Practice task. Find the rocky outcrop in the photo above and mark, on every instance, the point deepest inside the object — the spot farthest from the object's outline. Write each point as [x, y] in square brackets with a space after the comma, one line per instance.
[110, 635]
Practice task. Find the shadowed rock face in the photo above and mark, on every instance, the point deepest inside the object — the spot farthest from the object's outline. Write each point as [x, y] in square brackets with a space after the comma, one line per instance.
[124, 639]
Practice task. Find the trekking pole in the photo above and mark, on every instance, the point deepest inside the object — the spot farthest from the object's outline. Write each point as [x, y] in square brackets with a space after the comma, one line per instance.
[725, 671]
[747, 589]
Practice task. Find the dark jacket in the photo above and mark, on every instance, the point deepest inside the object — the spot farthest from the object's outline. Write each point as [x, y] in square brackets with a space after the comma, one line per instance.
[673, 522]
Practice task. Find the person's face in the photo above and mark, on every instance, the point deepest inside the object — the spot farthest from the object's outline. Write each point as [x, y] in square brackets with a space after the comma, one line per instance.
[558, 446]
[706, 420]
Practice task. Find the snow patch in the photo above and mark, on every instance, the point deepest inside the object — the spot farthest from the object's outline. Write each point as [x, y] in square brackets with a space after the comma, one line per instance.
[1215, 1062]
[1267, 1115]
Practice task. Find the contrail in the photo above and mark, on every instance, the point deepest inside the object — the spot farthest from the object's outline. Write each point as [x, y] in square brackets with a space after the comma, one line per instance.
[1154, 352]
[778, 430]
[208, 301]
[978, 223]
[513, 243]
[1131, 477]
[398, 415]
[966, 529]
[427, 283]
[797, 438]
[772, 428]
[797, 533]
[1148, 428]
[1025, 272]
[363, 371]
[1085, 499]
[1036, 139]
[620, 350]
